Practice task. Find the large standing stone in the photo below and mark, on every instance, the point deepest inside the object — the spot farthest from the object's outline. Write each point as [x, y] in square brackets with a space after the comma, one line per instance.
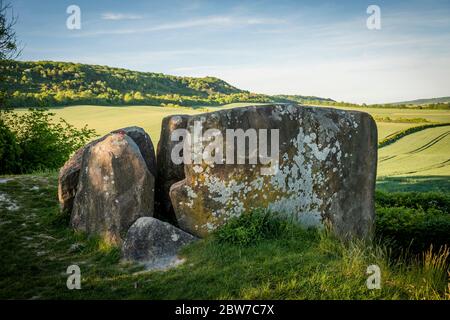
[69, 173]
[154, 243]
[326, 172]
[115, 188]
[168, 172]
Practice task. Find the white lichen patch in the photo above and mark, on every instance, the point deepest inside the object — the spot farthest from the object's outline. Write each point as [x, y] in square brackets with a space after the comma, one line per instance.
[8, 203]
[198, 169]
[174, 237]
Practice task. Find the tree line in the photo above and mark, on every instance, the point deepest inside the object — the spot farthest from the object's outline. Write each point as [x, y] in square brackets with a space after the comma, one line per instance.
[48, 84]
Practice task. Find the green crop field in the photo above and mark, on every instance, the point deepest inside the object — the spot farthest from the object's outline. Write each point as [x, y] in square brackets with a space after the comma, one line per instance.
[425, 153]
[401, 119]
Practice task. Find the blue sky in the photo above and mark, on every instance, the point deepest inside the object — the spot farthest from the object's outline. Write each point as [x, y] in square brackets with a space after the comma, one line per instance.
[318, 48]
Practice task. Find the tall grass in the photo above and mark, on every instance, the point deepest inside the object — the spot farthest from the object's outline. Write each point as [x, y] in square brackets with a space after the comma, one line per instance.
[405, 276]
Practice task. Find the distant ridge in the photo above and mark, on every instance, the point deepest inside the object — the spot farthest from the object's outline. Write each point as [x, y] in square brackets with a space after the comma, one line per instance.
[424, 101]
[303, 99]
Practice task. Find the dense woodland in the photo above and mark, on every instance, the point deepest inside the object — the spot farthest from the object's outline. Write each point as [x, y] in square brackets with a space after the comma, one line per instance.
[45, 84]
[48, 84]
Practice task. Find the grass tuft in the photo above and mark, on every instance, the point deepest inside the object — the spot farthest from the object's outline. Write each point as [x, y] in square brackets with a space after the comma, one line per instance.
[249, 229]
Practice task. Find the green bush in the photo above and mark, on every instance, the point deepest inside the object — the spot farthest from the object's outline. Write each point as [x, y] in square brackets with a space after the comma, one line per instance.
[252, 227]
[413, 229]
[42, 142]
[413, 220]
[9, 150]
[415, 200]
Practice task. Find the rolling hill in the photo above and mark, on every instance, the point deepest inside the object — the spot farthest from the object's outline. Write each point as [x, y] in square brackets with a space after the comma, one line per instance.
[424, 101]
[49, 84]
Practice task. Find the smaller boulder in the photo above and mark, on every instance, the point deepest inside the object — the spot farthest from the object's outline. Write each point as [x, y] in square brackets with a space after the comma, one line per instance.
[154, 243]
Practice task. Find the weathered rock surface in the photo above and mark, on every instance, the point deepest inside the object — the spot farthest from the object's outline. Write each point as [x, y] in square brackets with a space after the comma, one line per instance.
[115, 188]
[167, 172]
[68, 179]
[145, 145]
[69, 173]
[154, 243]
[326, 172]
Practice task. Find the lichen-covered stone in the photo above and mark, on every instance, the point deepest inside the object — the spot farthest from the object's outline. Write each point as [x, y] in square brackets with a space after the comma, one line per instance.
[167, 172]
[69, 173]
[154, 243]
[144, 143]
[68, 179]
[326, 173]
[115, 188]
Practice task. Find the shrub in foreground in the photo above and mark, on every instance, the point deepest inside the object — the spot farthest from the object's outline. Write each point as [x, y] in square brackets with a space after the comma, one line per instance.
[412, 221]
[9, 150]
[416, 200]
[413, 229]
[39, 141]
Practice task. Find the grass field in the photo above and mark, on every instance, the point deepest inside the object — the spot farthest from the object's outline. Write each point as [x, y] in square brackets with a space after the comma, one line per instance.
[36, 247]
[398, 159]
[106, 118]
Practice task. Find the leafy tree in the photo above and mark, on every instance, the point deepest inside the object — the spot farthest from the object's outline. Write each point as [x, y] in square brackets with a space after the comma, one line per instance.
[8, 39]
[9, 150]
[8, 42]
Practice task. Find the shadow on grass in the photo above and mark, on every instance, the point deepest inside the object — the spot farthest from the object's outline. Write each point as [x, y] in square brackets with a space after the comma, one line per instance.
[414, 183]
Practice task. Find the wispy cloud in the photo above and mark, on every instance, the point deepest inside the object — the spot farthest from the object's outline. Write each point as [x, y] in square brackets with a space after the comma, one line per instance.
[120, 16]
[211, 21]
[218, 21]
